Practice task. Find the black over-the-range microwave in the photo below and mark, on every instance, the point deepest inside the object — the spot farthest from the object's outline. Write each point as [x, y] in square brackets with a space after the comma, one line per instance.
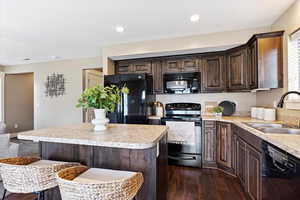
[182, 83]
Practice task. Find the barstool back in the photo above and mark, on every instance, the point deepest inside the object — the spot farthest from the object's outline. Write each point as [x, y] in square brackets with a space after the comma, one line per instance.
[30, 174]
[72, 187]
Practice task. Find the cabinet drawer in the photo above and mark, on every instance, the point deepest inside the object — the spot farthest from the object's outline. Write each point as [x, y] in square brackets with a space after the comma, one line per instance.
[172, 66]
[190, 65]
[209, 124]
[251, 139]
[123, 67]
[142, 67]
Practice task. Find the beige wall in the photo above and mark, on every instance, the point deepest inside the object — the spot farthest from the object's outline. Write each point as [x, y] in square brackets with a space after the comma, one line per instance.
[58, 110]
[178, 44]
[18, 101]
[289, 22]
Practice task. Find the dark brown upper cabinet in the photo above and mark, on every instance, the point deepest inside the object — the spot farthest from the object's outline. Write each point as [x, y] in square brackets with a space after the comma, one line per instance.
[213, 73]
[124, 67]
[237, 70]
[265, 60]
[142, 67]
[255, 65]
[180, 65]
[172, 66]
[157, 74]
[252, 65]
[133, 66]
[190, 64]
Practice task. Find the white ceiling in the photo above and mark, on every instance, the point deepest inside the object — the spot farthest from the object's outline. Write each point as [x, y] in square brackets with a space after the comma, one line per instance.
[41, 29]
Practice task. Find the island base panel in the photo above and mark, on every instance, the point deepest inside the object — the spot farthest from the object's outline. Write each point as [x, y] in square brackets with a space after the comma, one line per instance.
[154, 168]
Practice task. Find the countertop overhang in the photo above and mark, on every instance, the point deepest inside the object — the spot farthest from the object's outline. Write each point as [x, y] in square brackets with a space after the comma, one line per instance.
[287, 142]
[127, 136]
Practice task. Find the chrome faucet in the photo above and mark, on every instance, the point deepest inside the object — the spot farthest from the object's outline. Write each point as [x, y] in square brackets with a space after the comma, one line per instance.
[281, 102]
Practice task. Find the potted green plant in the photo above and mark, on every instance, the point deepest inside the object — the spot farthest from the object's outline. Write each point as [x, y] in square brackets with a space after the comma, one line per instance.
[218, 110]
[102, 100]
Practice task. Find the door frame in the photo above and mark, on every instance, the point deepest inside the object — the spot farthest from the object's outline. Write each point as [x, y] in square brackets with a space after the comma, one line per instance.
[84, 86]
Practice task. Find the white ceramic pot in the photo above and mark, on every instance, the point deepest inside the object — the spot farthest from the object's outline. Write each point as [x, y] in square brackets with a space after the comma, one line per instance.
[254, 112]
[260, 113]
[218, 115]
[100, 120]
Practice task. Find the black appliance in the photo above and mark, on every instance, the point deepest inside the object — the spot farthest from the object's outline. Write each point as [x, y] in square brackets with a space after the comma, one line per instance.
[229, 107]
[133, 106]
[184, 135]
[280, 174]
[182, 83]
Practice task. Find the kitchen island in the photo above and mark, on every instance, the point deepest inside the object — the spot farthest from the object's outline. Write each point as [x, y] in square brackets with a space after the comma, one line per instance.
[140, 148]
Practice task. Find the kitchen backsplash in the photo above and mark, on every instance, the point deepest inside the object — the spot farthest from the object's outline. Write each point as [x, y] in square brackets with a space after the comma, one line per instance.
[291, 117]
[244, 101]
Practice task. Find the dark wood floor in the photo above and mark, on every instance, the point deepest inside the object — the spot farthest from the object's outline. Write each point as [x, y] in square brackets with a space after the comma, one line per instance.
[191, 184]
[205, 184]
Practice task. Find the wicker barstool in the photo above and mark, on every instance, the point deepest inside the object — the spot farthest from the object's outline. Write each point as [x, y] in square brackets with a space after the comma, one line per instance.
[82, 183]
[30, 174]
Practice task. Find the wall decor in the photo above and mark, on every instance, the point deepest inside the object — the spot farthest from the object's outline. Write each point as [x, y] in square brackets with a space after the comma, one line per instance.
[55, 85]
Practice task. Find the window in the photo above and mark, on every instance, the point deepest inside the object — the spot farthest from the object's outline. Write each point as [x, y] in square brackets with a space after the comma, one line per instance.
[294, 63]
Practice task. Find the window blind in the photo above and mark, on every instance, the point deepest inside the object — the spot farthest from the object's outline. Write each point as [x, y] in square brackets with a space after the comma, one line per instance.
[294, 64]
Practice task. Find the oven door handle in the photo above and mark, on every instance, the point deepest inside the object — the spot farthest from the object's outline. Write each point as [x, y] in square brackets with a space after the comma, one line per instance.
[182, 158]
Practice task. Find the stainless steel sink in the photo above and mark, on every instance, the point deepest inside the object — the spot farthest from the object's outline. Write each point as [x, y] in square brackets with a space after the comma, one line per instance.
[280, 130]
[265, 125]
[272, 128]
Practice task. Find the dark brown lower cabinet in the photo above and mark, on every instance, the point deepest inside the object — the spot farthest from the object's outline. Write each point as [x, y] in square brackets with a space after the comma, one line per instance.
[241, 161]
[254, 164]
[248, 162]
[224, 154]
[209, 144]
[235, 151]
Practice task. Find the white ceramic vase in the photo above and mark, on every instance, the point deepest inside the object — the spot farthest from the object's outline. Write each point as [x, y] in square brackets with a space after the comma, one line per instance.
[100, 120]
[218, 115]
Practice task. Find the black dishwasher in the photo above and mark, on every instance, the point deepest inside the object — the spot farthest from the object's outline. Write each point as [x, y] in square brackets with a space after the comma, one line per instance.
[280, 174]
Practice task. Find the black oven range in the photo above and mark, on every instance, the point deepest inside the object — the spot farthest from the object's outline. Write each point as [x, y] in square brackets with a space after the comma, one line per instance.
[184, 136]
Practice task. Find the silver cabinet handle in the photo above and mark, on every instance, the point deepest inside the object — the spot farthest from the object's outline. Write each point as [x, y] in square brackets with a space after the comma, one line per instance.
[182, 158]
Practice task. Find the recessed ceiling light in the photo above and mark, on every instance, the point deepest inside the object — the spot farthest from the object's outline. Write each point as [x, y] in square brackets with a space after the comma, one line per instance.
[120, 29]
[195, 18]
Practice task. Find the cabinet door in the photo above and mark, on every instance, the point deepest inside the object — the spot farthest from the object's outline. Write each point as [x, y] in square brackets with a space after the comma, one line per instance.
[213, 74]
[234, 151]
[224, 144]
[241, 161]
[157, 77]
[209, 144]
[124, 67]
[253, 173]
[142, 67]
[172, 66]
[252, 65]
[190, 65]
[237, 70]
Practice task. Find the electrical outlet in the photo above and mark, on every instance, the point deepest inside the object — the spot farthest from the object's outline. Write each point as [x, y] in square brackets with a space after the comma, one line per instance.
[16, 126]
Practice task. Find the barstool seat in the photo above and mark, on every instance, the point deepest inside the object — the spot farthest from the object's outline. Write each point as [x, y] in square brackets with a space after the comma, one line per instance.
[30, 174]
[82, 183]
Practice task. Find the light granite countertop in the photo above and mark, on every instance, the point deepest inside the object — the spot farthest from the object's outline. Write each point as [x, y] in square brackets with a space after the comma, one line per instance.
[287, 142]
[127, 136]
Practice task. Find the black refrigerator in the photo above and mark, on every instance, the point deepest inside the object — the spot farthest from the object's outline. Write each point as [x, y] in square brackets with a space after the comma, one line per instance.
[133, 106]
